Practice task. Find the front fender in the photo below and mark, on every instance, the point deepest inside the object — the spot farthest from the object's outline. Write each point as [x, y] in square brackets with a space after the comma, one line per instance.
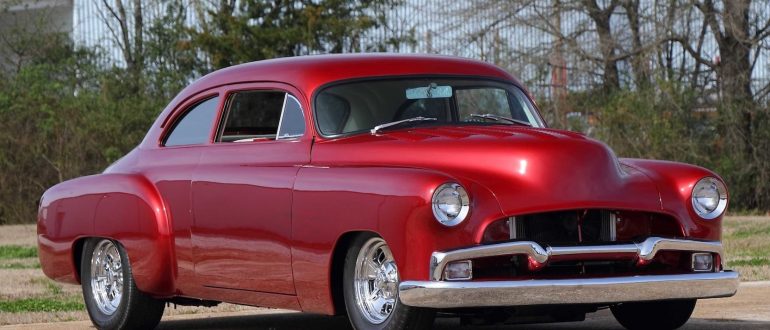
[675, 182]
[394, 203]
[123, 207]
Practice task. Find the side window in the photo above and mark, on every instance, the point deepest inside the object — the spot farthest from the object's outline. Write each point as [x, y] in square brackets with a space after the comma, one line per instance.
[195, 126]
[261, 115]
[293, 120]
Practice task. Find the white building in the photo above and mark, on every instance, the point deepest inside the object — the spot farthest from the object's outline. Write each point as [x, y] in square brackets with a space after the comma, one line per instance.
[25, 18]
[463, 28]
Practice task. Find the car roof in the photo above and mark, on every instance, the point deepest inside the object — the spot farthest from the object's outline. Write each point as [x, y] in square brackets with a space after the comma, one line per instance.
[308, 73]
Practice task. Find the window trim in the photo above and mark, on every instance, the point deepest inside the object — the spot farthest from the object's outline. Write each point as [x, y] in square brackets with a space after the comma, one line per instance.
[178, 115]
[224, 112]
[283, 112]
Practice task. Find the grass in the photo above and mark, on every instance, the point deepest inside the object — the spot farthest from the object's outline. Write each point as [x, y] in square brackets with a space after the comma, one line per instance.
[20, 265]
[18, 257]
[740, 233]
[17, 252]
[747, 246]
[749, 262]
[52, 287]
[40, 305]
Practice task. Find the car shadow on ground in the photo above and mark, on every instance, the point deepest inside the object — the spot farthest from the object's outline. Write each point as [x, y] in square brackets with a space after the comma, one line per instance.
[290, 321]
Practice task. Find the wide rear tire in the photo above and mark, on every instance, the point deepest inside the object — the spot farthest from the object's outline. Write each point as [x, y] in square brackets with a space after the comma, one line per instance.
[659, 315]
[112, 299]
[370, 287]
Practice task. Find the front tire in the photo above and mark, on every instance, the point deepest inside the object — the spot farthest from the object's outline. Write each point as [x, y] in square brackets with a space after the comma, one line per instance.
[111, 296]
[662, 315]
[370, 285]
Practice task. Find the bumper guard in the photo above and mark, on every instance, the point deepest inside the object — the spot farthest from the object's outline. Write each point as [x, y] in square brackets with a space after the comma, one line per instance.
[438, 293]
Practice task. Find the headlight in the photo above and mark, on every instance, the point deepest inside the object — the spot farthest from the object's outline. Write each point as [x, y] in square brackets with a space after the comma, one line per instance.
[450, 204]
[709, 198]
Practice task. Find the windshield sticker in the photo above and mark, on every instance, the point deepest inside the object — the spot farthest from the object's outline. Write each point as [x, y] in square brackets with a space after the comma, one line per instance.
[433, 91]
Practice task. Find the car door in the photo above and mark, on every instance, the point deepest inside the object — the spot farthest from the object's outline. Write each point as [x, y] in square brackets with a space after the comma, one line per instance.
[170, 168]
[242, 191]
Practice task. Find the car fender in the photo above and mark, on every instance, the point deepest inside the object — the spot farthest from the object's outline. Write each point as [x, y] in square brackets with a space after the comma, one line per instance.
[675, 182]
[394, 203]
[124, 207]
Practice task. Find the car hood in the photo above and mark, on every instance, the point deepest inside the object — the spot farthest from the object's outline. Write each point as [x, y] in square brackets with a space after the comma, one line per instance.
[527, 169]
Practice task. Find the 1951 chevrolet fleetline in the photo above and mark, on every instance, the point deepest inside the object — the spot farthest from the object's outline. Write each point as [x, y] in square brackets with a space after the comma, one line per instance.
[389, 188]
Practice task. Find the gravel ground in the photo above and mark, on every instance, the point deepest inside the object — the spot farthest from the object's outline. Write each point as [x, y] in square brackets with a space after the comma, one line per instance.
[743, 311]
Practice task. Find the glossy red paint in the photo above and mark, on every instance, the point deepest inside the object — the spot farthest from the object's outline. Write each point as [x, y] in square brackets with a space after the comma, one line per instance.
[258, 223]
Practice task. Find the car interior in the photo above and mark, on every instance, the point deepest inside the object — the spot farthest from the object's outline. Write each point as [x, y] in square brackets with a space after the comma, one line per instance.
[359, 107]
[252, 116]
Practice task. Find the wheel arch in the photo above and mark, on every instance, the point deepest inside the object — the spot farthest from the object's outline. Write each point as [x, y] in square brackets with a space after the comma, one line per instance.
[123, 207]
[337, 267]
[77, 255]
[332, 203]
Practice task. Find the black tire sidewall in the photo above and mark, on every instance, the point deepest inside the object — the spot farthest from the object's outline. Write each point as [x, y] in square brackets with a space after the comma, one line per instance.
[101, 320]
[662, 315]
[402, 317]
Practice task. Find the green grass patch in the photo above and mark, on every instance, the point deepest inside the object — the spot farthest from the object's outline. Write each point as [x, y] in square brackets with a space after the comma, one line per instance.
[749, 262]
[19, 265]
[17, 252]
[39, 305]
[53, 288]
[748, 232]
[747, 245]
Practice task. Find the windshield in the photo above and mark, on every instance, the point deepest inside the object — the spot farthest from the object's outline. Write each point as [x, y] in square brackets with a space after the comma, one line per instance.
[361, 106]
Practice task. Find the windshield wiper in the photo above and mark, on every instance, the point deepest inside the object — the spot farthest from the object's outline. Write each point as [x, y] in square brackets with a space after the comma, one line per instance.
[499, 118]
[399, 122]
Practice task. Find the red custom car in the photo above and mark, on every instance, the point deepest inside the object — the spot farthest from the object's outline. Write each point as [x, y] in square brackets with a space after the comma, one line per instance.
[388, 188]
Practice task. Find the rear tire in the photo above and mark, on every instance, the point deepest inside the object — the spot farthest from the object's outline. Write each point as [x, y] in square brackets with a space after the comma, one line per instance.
[370, 288]
[111, 297]
[659, 315]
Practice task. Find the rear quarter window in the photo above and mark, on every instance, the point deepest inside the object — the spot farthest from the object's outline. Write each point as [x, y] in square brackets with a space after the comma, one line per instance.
[195, 125]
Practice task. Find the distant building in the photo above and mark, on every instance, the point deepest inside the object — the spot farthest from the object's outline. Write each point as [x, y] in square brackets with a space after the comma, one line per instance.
[463, 28]
[21, 17]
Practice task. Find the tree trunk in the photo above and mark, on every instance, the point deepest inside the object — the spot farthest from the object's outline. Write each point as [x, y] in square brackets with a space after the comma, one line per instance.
[639, 59]
[601, 19]
[138, 38]
[735, 50]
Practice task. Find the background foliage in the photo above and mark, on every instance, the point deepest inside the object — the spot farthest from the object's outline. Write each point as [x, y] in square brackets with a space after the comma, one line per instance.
[64, 113]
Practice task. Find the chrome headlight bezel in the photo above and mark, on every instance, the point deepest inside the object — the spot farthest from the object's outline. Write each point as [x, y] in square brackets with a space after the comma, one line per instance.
[716, 186]
[463, 204]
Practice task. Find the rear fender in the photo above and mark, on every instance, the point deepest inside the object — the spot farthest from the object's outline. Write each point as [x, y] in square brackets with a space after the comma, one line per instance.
[123, 207]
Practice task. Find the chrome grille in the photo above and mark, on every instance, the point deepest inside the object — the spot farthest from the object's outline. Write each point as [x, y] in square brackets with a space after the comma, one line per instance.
[576, 226]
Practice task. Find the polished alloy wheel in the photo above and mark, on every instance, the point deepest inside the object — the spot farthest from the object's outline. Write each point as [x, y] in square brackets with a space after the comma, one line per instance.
[376, 281]
[106, 277]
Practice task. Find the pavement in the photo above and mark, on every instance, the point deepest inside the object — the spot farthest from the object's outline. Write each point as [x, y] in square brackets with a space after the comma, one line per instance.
[748, 309]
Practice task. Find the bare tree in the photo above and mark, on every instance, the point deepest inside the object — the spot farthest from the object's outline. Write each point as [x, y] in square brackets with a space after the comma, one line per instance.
[127, 31]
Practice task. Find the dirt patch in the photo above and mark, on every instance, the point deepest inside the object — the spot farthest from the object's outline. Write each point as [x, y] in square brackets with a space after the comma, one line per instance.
[23, 283]
[171, 313]
[749, 304]
[24, 235]
[741, 312]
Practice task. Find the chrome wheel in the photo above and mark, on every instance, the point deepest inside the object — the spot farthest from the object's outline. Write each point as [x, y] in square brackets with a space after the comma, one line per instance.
[376, 281]
[106, 277]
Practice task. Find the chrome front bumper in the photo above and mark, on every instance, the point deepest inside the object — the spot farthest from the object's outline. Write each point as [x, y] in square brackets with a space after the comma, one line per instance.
[438, 293]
